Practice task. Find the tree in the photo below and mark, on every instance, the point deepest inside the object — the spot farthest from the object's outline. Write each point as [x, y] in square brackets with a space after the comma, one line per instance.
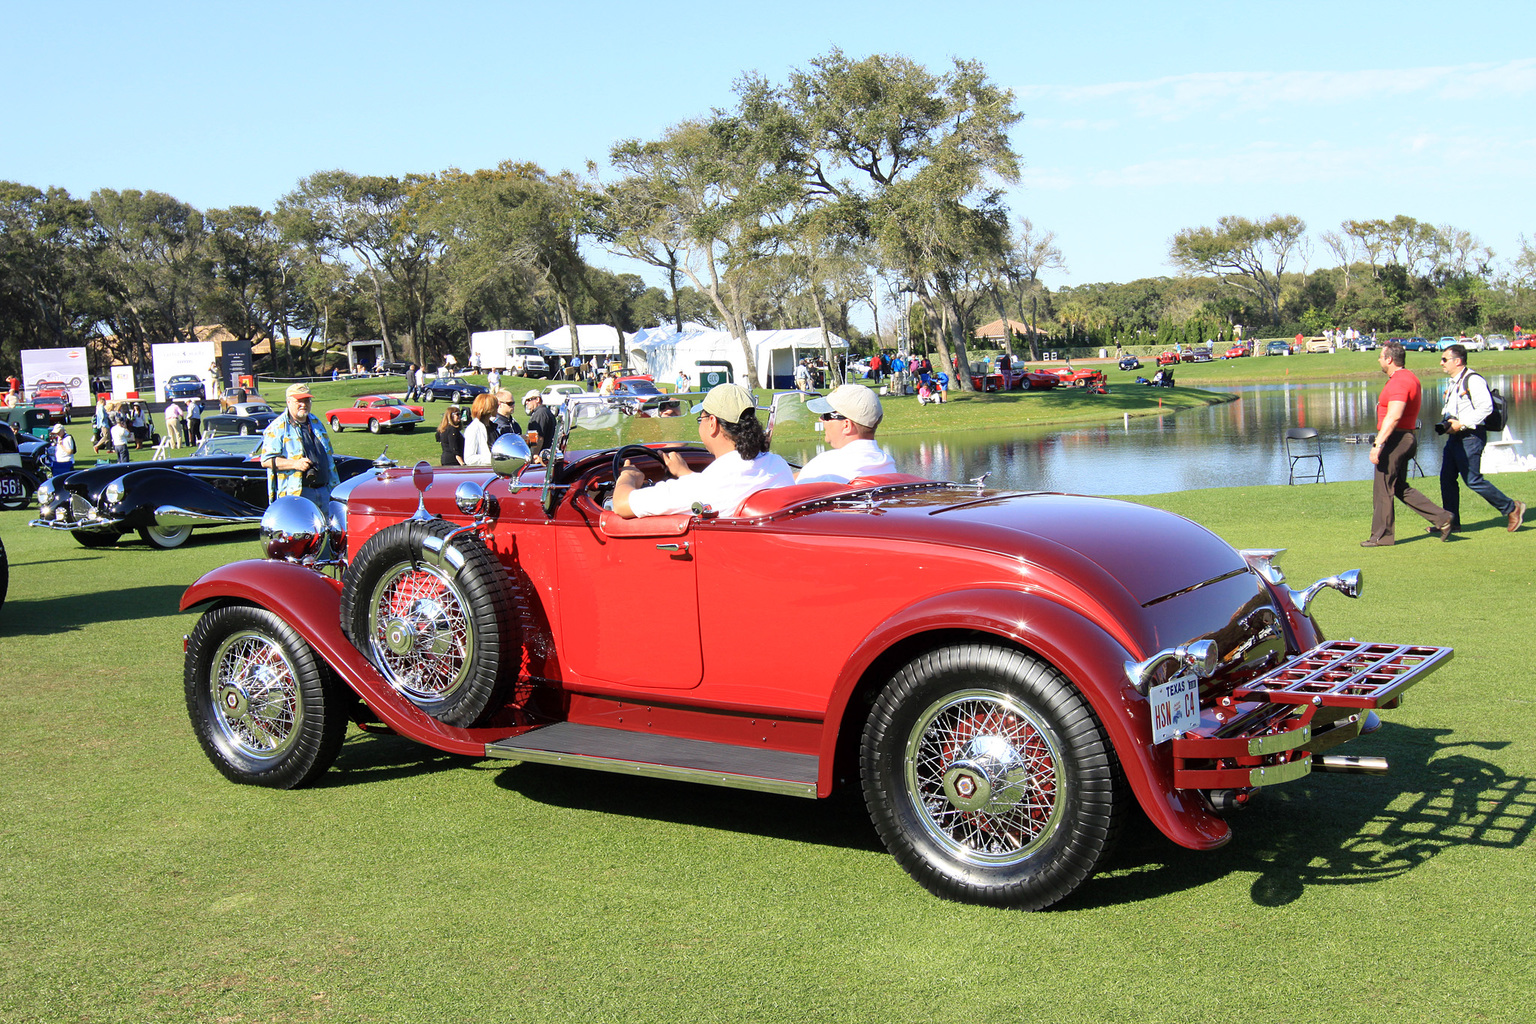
[48, 250]
[380, 222]
[154, 266]
[519, 215]
[1249, 255]
[923, 151]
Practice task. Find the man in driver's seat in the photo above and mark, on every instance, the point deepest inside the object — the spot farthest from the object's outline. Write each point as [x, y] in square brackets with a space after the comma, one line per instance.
[743, 465]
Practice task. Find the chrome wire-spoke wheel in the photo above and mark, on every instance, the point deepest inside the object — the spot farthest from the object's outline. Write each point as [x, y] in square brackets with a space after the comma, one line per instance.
[982, 774]
[420, 632]
[257, 710]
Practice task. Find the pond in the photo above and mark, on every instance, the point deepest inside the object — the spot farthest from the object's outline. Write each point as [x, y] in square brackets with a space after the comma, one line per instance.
[1234, 444]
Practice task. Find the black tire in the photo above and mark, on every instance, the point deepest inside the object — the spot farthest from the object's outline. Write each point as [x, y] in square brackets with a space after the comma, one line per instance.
[5, 573]
[989, 778]
[12, 504]
[373, 426]
[94, 538]
[335, 425]
[409, 428]
[265, 709]
[457, 398]
[443, 637]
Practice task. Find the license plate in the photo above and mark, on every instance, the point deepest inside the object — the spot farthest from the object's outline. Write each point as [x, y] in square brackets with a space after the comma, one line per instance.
[1175, 707]
[11, 487]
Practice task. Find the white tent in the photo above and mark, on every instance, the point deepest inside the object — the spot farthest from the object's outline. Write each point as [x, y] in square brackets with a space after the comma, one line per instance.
[662, 353]
[595, 339]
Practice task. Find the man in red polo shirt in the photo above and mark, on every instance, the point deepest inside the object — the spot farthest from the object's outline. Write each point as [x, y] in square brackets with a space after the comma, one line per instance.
[1397, 410]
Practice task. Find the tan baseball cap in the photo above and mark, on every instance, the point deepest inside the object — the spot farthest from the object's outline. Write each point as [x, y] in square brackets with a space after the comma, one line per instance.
[727, 402]
[299, 390]
[853, 401]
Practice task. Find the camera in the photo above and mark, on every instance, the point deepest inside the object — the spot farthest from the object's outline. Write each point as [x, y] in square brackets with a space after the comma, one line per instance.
[1442, 426]
[312, 478]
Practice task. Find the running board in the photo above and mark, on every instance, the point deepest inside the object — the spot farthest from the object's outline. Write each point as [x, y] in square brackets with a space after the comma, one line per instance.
[663, 757]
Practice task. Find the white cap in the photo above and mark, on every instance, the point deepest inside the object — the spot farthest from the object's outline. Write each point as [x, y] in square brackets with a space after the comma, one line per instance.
[852, 401]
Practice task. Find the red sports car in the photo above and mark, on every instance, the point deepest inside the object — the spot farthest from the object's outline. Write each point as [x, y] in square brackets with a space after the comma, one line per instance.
[1073, 378]
[376, 413]
[1002, 690]
[1168, 358]
[58, 406]
[1236, 352]
[1524, 341]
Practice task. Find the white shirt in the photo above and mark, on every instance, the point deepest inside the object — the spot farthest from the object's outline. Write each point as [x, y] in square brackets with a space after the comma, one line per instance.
[723, 485]
[120, 435]
[1470, 409]
[477, 444]
[840, 465]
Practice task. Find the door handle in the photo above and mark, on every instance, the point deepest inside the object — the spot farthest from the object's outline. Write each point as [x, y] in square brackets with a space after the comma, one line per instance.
[672, 547]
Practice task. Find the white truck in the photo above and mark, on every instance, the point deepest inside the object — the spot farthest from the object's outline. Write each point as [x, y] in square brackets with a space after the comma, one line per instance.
[510, 351]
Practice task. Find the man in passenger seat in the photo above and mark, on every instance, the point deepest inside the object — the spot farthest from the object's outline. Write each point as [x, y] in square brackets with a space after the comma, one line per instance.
[743, 465]
[850, 415]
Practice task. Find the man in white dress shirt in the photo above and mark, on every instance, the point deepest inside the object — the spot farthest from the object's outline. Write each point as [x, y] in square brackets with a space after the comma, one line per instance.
[850, 416]
[743, 465]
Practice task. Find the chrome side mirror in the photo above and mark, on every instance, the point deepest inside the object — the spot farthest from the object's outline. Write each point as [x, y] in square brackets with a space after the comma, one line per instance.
[509, 454]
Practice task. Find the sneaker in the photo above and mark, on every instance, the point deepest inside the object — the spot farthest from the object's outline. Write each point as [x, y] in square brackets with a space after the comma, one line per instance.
[1516, 516]
[1375, 543]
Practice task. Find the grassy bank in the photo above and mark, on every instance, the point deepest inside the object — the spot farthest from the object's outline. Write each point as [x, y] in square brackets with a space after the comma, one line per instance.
[138, 885]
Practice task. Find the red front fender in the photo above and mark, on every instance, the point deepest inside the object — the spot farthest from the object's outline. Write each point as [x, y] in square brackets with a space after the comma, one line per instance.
[1080, 650]
[311, 604]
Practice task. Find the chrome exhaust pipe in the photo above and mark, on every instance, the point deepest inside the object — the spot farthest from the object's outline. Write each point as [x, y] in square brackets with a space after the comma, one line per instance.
[1344, 764]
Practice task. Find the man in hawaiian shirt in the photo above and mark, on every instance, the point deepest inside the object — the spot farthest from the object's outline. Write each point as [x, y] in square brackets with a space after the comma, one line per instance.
[297, 452]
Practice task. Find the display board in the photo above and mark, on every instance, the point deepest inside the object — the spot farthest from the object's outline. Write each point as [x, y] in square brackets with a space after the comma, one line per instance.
[66, 366]
[194, 357]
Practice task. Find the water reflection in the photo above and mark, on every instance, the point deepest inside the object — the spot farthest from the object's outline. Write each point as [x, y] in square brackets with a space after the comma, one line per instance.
[1234, 444]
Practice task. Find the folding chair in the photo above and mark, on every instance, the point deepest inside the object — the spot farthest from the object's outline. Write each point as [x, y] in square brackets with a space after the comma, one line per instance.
[1303, 445]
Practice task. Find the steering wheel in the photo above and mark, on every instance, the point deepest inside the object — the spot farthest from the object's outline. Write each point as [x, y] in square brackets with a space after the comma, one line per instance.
[624, 452]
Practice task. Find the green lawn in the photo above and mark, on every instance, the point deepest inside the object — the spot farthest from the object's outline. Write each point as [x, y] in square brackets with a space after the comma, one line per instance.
[138, 885]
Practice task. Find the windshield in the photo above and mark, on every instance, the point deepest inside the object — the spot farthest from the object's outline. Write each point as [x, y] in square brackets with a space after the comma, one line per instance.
[596, 422]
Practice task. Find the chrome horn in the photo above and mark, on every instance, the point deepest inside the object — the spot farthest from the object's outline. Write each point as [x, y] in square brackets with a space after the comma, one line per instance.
[1200, 657]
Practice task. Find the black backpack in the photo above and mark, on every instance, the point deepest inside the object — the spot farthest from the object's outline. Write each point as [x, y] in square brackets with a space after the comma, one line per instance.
[1500, 414]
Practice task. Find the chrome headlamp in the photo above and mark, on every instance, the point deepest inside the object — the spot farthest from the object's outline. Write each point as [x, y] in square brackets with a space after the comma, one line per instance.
[1262, 561]
[293, 529]
[113, 492]
[45, 496]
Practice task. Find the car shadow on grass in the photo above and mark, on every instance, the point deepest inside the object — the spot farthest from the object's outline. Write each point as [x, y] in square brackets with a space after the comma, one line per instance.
[381, 757]
[839, 821]
[1338, 829]
[71, 612]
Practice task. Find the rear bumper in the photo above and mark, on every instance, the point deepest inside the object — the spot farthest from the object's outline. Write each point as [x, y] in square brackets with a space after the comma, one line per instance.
[1267, 730]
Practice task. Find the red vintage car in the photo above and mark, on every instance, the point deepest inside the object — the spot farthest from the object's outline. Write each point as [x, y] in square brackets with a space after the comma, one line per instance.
[376, 413]
[1236, 352]
[1001, 674]
[1523, 341]
[1168, 358]
[1073, 378]
[1041, 380]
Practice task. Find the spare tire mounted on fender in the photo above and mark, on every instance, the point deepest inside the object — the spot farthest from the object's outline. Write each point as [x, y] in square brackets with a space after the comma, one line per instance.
[434, 618]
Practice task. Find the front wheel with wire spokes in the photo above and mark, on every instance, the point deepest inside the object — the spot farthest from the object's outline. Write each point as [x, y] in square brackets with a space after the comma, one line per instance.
[265, 710]
[989, 778]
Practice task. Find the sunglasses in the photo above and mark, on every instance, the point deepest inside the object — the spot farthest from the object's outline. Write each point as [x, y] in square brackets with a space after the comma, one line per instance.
[832, 416]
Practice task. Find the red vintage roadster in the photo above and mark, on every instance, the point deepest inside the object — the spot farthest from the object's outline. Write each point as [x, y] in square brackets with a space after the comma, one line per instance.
[1002, 674]
[376, 413]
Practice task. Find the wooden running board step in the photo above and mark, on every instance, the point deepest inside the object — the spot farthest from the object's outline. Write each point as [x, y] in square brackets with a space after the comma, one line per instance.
[663, 757]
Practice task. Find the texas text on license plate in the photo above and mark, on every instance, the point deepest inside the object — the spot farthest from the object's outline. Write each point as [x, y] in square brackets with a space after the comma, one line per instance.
[1175, 707]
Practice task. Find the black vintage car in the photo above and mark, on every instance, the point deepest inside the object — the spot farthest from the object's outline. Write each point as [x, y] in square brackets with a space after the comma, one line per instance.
[455, 389]
[249, 418]
[23, 465]
[164, 500]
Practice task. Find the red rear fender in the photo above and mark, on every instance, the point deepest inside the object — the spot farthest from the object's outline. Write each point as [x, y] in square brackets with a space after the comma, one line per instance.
[1080, 650]
[311, 604]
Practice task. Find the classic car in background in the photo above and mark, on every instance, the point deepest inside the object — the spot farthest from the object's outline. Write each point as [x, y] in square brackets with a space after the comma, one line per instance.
[1129, 362]
[240, 418]
[1277, 348]
[1056, 658]
[375, 413]
[57, 406]
[24, 462]
[164, 500]
[555, 395]
[1201, 354]
[1167, 358]
[1071, 377]
[185, 385]
[454, 389]
[1236, 352]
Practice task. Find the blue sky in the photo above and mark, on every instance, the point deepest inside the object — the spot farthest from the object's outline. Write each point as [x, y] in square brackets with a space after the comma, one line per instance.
[1140, 118]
